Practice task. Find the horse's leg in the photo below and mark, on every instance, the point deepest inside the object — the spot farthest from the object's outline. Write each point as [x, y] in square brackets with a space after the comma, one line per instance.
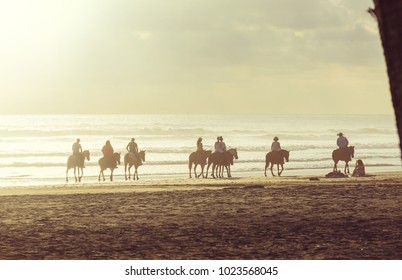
[272, 166]
[265, 170]
[190, 167]
[101, 172]
[125, 171]
[346, 166]
[208, 164]
[335, 167]
[213, 170]
[202, 170]
[111, 174]
[280, 172]
[195, 170]
[80, 175]
[67, 175]
[228, 171]
[75, 174]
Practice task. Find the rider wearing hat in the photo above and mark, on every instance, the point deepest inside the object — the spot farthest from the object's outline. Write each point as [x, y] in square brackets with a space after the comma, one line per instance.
[276, 146]
[342, 141]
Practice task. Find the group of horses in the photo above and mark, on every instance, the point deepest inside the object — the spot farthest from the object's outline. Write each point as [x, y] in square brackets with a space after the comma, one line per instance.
[78, 162]
[219, 162]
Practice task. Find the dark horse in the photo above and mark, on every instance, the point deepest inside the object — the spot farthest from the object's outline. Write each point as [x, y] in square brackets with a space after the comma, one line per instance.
[130, 161]
[276, 157]
[344, 154]
[77, 162]
[198, 158]
[221, 160]
[108, 163]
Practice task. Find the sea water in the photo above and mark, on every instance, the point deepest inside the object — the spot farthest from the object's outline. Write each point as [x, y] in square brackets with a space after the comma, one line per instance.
[34, 148]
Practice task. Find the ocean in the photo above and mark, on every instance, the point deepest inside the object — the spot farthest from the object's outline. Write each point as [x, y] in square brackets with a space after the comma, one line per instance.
[34, 148]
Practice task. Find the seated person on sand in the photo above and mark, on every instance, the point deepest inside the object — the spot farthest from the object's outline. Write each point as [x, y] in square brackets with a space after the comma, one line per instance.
[359, 169]
[275, 146]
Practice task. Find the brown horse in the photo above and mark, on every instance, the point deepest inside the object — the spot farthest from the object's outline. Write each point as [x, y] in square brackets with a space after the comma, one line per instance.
[108, 163]
[276, 157]
[77, 162]
[220, 161]
[132, 161]
[344, 154]
[198, 158]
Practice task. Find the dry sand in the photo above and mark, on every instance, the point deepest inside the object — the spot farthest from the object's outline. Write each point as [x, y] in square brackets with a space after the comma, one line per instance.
[289, 218]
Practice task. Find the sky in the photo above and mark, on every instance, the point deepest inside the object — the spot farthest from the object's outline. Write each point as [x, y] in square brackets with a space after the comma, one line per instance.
[191, 57]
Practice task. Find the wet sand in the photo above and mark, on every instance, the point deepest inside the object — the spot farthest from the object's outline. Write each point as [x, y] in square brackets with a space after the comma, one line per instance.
[239, 218]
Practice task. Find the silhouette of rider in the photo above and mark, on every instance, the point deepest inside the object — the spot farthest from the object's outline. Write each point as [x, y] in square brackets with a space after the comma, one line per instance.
[199, 145]
[108, 151]
[342, 141]
[77, 149]
[220, 146]
[132, 148]
[276, 146]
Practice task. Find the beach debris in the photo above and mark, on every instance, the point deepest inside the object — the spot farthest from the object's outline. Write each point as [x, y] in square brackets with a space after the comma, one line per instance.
[314, 179]
[336, 174]
[253, 187]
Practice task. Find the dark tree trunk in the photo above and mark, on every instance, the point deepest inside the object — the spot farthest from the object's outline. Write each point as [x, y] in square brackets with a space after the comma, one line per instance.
[389, 17]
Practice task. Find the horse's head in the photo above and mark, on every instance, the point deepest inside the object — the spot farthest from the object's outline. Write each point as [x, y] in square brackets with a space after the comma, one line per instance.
[286, 154]
[352, 151]
[86, 154]
[142, 155]
[117, 156]
[234, 153]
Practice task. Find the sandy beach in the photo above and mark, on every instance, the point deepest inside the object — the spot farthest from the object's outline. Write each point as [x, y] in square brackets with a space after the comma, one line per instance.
[238, 218]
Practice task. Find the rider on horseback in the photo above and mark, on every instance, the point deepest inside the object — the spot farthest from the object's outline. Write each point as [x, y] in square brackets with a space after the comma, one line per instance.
[77, 149]
[132, 148]
[220, 146]
[108, 151]
[199, 145]
[276, 146]
[342, 141]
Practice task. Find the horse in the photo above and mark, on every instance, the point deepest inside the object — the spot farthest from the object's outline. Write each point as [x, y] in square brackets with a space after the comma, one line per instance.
[198, 158]
[130, 161]
[276, 157]
[108, 163]
[344, 154]
[77, 162]
[221, 160]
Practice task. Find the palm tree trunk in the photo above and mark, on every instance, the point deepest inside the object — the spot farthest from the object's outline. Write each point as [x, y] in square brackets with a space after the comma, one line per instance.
[389, 17]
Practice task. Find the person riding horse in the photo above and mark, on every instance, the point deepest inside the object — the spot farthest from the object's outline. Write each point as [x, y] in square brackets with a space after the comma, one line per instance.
[77, 150]
[342, 143]
[132, 148]
[220, 148]
[108, 151]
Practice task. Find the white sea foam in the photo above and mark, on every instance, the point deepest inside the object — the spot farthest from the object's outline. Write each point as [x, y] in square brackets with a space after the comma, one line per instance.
[37, 147]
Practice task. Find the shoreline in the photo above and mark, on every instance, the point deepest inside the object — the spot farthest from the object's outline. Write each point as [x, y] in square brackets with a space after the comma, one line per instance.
[238, 218]
[174, 184]
[119, 178]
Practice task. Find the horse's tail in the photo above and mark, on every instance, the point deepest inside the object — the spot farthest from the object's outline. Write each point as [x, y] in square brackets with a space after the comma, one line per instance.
[190, 162]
